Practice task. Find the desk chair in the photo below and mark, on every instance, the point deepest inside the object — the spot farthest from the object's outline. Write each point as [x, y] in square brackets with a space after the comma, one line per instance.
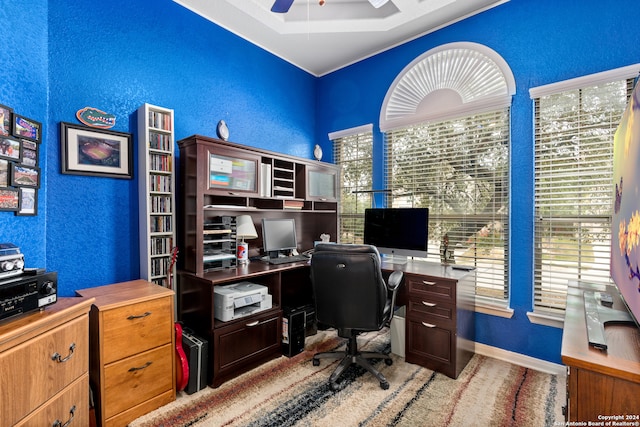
[351, 296]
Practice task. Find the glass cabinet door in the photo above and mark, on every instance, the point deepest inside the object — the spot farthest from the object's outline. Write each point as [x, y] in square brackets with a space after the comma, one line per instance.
[322, 183]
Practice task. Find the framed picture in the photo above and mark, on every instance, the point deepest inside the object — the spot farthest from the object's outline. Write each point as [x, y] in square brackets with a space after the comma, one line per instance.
[4, 173]
[9, 199]
[5, 120]
[10, 148]
[23, 127]
[95, 152]
[28, 202]
[29, 157]
[24, 176]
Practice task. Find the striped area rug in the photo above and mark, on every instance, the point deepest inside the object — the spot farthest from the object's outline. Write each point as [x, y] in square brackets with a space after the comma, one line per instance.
[293, 392]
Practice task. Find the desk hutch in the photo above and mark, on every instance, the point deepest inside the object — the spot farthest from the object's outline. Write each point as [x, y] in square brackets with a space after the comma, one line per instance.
[263, 184]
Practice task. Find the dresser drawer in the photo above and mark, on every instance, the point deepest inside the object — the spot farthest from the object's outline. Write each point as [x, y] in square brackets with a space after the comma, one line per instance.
[35, 371]
[136, 379]
[429, 287]
[244, 340]
[71, 405]
[133, 328]
[431, 311]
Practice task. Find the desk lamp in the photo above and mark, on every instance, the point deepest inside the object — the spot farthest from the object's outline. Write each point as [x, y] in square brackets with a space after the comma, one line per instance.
[244, 230]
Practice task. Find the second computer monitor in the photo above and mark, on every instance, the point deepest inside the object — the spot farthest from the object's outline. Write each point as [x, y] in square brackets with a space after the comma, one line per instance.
[278, 234]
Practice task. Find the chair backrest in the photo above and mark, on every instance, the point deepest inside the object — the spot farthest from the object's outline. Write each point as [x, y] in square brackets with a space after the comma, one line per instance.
[348, 286]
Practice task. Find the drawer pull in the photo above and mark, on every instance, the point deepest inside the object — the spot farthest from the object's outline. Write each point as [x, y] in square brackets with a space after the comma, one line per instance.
[256, 323]
[139, 316]
[139, 368]
[58, 357]
[428, 325]
[426, 282]
[429, 304]
[72, 414]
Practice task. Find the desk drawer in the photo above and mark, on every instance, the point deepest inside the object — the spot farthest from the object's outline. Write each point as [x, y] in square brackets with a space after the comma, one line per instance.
[133, 328]
[431, 311]
[30, 373]
[428, 287]
[429, 345]
[244, 340]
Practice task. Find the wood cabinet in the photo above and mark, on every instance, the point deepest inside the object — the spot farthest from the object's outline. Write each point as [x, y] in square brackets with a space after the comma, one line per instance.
[322, 182]
[600, 383]
[220, 178]
[439, 323]
[132, 363]
[44, 366]
[156, 193]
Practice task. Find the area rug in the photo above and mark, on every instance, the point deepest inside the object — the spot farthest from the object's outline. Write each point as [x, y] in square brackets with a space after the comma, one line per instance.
[293, 392]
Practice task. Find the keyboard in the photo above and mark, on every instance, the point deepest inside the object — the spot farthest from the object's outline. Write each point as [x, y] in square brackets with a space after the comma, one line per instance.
[288, 259]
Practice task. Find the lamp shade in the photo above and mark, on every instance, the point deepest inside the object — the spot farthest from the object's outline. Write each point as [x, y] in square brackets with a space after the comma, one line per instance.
[245, 228]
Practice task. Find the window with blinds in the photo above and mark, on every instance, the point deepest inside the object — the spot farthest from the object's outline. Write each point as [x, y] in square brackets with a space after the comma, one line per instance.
[354, 155]
[459, 169]
[574, 132]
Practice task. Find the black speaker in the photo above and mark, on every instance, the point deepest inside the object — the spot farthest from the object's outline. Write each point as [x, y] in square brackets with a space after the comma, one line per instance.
[196, 350]
[293, 331]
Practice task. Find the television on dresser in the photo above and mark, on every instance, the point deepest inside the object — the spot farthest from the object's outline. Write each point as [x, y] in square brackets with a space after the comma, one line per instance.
[398, 233]
[625, 224]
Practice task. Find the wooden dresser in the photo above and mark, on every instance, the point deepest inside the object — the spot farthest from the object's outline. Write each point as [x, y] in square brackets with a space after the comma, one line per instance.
[600, 383]
[44, 362]
[132, 365]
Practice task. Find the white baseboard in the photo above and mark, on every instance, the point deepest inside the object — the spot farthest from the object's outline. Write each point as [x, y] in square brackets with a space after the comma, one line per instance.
[520, 359]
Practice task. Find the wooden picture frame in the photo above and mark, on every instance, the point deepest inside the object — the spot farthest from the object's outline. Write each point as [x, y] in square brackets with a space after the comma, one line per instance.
[24, 176]
[5, 120]
[95, 152]
[10, 199]
[26, 128]
[11, 148]
[28, 202]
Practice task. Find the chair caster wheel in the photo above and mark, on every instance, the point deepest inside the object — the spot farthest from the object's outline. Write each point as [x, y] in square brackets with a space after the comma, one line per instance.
[388, 362]
[384, 385]
[335, 387]
[316, 362]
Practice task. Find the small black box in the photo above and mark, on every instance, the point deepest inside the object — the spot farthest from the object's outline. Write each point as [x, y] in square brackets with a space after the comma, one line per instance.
[197, 351]
[293, 331]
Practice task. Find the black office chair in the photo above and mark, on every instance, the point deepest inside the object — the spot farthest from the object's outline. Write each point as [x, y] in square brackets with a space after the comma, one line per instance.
[352, 297]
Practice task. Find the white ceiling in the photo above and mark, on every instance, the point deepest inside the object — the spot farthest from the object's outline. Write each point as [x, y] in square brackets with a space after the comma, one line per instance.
[322, 39]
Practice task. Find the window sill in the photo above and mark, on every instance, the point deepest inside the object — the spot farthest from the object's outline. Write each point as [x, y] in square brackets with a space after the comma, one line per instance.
[492, 308]
[545, 319]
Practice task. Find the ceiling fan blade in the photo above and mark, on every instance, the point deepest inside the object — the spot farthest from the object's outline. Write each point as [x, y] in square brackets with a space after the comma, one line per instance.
[281, 6]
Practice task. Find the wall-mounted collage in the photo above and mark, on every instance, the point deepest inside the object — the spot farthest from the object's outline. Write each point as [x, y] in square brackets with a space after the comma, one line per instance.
[19, 171]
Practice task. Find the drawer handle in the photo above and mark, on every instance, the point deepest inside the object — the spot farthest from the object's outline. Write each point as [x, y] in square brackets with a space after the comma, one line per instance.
[426, 282]
[429, 304]
[428, 325]
[58, 357]
[72, 414]
[256, 323]
[139, 368]
[139, 316]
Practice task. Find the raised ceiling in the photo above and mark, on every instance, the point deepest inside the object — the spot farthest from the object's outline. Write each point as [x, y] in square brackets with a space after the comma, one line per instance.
[322, 39]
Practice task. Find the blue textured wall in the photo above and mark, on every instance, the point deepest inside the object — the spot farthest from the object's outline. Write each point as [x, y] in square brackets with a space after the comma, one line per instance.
[543, 42]
[65, 55]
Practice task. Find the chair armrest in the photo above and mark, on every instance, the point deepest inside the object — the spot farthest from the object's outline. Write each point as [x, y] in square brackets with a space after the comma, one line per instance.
[394, 280]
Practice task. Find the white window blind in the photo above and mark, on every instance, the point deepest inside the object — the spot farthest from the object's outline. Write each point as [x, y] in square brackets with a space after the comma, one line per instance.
[354, 155]
[573, 189]
[459, 169]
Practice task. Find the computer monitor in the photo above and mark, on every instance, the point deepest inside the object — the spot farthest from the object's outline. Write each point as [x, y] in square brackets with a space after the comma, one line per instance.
[397, 232]
[278, 234]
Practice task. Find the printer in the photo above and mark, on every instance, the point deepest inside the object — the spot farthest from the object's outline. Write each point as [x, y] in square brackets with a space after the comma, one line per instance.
[239, 300]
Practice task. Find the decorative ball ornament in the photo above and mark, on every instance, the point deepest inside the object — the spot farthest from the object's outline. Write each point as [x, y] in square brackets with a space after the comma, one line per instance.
[317, 152]
[222, 130]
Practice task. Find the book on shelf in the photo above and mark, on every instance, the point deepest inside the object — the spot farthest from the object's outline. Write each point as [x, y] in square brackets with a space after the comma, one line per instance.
[293, 204]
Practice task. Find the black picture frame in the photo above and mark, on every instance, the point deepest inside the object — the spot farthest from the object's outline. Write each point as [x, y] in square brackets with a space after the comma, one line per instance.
[10, 199]
[24, 176]
[11, 148]
[5, 120]
[28, 202]
[95, 152]
[26, 128]
[4, 173]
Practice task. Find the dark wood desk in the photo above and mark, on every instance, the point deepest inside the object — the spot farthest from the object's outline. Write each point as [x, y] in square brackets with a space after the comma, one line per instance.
[440, 328]
[600, 383]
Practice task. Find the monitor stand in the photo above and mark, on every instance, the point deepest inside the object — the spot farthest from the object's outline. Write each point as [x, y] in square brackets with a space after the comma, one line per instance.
[394, 259]
[597, 315]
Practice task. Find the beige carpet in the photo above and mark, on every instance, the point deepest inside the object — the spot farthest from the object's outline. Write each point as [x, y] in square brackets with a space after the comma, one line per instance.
[291, 391]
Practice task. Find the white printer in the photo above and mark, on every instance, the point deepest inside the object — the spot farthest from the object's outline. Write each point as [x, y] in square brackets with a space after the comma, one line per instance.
[239, 300]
